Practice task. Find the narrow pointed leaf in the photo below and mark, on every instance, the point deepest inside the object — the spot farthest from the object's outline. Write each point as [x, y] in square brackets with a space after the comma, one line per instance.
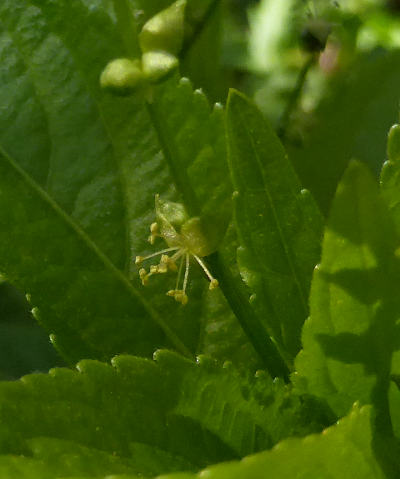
[278, 223]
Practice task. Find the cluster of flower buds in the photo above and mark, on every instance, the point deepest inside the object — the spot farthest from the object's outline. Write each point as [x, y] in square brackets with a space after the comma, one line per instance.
[160, 40]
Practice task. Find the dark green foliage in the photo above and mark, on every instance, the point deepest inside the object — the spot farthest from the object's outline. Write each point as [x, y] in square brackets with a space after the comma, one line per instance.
[291, 368]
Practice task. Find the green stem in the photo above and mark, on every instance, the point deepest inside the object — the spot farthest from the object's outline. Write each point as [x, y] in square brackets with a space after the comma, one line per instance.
[232, 289]
[126, 27]
[237, 298]
[294, 97]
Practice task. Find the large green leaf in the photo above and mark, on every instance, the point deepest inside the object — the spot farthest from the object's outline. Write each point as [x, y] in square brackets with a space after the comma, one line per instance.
[84, 179]
[349, 339]
[278, 223]
[147, 417]
[342, 451]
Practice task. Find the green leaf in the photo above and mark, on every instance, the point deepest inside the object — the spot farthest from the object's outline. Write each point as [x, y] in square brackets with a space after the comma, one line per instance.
[145, 417]
[24, 346]
[222, 337]
[390, 175]
[89, 169]
[67, 275]
[194, 147]
[207, 37]
[349, 339]
[343, 451]
[278, 223]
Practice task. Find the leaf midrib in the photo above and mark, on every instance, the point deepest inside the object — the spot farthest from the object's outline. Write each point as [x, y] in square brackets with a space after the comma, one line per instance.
[286, 248]
[38, 190]
[85, 237]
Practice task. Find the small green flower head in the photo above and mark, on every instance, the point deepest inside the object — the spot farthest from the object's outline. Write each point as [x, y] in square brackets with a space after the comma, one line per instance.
[185, 240]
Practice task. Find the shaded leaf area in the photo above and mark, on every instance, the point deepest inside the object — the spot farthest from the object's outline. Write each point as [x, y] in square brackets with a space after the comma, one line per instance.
[208, 73]
[350, 336]
[390, 182]
[144, 417]
[96, 158]
[67, 276]
[223, 338]
[279, 225]
[390, 175]
[342, 451]
[351, 122]
[24, 346]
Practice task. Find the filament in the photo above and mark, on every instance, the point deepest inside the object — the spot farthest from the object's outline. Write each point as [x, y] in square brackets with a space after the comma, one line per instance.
[185, 279]
[163, 251]
[179, 273]
[204, 267]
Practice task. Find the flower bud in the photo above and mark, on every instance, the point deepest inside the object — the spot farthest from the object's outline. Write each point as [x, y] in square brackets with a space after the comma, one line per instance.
[157, 65]
[122, 76]
[164, 31]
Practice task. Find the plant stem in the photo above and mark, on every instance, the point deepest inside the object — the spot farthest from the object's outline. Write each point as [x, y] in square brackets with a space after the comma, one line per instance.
[234, 293]
[230, 287]
[294, 97]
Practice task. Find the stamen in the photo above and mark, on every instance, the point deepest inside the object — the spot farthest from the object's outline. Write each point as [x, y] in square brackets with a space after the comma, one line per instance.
[185, 279]
[143, 276]
[179, 274]
[169, 262]
[139, 259]
[155, 233]
[213, 282]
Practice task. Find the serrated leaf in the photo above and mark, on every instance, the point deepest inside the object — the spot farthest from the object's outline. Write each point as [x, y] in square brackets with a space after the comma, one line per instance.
[279, 225]
[24, 346]
[344, 451]
[146, 417]
[349, 339]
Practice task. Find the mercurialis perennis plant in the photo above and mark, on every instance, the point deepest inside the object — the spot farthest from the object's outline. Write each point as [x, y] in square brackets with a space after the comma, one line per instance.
[186, 242]
[290, 367]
